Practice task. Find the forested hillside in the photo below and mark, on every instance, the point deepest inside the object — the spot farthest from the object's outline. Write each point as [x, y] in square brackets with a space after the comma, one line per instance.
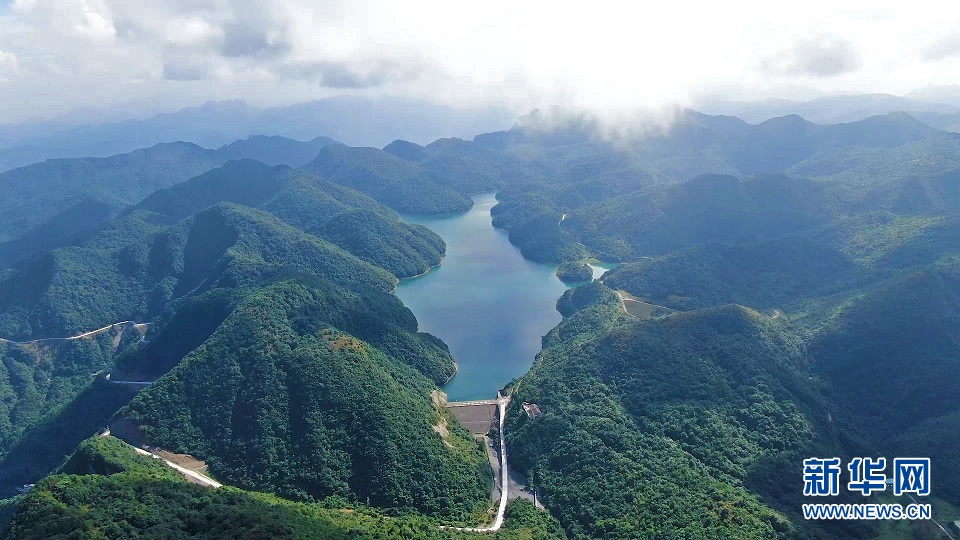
[282, 399]
[74, 289]
[402, 185]
[322, 208]
[59, 201]
[784, 290]
[49, 400]
[688, 423]
[773, 312]
[670, 426]
[106, 489]
[222, 280]
[690, 183]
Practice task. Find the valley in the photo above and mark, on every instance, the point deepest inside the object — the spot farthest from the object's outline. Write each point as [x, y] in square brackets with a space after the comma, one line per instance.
[485, 301]
[304, 319]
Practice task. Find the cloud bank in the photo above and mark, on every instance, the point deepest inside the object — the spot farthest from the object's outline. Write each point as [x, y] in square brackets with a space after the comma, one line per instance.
[610, 57]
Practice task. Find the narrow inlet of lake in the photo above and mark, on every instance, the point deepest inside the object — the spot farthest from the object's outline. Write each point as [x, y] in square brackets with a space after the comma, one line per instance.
[488, 303]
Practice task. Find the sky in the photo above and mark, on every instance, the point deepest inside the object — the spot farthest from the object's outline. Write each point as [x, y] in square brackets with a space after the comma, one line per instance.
[611, 57]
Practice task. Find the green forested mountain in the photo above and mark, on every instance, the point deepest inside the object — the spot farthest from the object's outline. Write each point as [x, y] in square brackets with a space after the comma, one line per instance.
[274, 150]
[692, 423]
[47, 401]
[798, 288]
[892, 163]
[330, 211]
[355, 120]
[707, 208]
[668, 427]
[206, 273]
[400, 184]
[253, 183]
[404, 249]
[774, 274]
[36, 194]
[807, 263]
[58, 201]
[78, 220]
[106, 489]
[907, 326]
[78, 288]
[884, 240]
[574, 271]
[280, 398]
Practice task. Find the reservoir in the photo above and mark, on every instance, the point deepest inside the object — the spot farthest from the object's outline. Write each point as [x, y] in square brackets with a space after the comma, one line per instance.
[488, 303]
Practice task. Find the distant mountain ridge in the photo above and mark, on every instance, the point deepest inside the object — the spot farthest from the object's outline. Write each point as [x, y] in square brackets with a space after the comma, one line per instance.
[883, 162]
[353, 120]
[57, 201]
[835, 109]
[762, 268]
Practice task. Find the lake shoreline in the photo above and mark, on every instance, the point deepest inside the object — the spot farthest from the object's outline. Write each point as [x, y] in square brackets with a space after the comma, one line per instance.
[487, 302]
[421, 274]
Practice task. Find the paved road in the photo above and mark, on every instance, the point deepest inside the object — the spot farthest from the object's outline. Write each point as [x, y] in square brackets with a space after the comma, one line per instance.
[935, 522]
[502, 402]
[201, 479]
[129, 383]
[78, 336]
[472, 403]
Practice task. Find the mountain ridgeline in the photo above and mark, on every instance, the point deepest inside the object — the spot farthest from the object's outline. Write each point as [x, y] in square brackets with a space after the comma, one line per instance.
[104, 483]
[782, 290]
[289, 277]
[786, 291]
[59, 201]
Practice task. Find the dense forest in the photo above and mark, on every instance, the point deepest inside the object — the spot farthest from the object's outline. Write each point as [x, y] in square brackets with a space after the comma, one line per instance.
[106, 490]
[209, 272]
[799, 288]
[281, 399]
[54, 203]
[574, 271]
[713, 178]
[784, 290]
[701, 415]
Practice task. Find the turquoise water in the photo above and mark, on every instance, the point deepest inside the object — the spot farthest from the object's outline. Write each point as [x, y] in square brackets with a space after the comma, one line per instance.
[488, 303]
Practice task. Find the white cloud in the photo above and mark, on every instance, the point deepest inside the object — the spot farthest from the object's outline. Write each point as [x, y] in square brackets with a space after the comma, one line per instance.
[816, 56]
[191, 32]
[8, 65]
[89, 20]
[8, 61]
[612, 57]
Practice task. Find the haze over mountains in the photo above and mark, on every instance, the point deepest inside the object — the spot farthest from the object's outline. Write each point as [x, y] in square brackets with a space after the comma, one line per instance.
[245, 246]
[359, 121]
[843, 108]
[356, 121]
[762, 268]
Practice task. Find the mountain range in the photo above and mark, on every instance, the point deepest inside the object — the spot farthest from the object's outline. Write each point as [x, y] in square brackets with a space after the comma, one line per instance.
[781, 290]
[353, 120]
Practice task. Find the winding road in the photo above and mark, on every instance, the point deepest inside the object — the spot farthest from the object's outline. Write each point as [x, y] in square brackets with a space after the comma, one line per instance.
[502, 402]
[91, 333]
[201, 479]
